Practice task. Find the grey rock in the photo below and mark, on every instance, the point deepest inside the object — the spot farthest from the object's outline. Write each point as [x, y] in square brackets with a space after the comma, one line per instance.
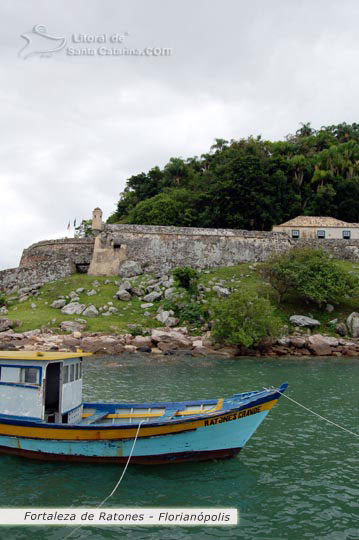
[152, 296]
[130, 269]
[5, 324]
[170, 293]
[147, 305]
[90, 311]
[95, 283]
[72, 326]
[73, 309]
[163, 316]
[80, 290]
[137, 291]
[4, 310]
[123, 295]
[333, 321]
[73, 294]
[23, 298]
[106, 314]
[341, 329]
[125, 286]
[302, 320]
[113, 310]
[329, 308]
[92, 292]
[353, 324]
[58, 304]
[221, 291]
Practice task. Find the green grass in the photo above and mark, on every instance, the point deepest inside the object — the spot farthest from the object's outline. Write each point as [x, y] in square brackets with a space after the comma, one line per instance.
[237, 277]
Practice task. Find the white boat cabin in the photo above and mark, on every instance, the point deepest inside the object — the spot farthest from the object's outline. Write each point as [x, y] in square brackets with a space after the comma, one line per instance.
[41, 385]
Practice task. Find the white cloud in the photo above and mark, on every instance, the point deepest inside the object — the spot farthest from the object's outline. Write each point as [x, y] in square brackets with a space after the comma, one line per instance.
[74, 129]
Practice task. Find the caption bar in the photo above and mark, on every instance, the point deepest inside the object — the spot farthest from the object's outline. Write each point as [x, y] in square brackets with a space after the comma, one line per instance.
[119, 516]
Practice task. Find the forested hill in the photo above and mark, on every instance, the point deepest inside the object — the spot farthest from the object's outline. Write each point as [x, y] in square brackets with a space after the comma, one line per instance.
[251, 183]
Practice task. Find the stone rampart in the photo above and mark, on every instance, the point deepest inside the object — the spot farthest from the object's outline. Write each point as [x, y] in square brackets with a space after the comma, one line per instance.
[78, 250]
[340, 249]
[159, 248]
[41, 272]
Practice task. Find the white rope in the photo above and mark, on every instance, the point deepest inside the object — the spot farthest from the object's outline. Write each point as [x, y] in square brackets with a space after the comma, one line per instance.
[117, 484]
[313, 412]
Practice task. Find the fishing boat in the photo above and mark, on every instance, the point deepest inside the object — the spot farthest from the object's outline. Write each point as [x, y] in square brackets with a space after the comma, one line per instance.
[42, 416]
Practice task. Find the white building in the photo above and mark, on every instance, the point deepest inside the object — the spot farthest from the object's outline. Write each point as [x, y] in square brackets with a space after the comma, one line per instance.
[319, 227]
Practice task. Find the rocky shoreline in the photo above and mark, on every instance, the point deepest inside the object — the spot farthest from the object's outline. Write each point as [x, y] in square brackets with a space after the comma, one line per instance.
[169, 341]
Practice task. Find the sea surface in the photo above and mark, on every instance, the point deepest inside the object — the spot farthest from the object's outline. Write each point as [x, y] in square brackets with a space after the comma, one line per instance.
[297, 478]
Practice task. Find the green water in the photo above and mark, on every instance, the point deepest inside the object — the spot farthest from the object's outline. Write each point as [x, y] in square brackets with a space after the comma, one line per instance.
[298, 477]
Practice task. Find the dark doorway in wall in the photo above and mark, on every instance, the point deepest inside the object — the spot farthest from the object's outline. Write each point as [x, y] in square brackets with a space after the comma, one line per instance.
[82, 268]
[52, 391]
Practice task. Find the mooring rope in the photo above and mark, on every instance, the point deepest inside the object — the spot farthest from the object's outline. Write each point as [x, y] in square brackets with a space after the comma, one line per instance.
[312, 412]
[117, 484]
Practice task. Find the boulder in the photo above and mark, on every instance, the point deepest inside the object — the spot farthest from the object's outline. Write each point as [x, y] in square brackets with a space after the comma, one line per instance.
[72, 326]
[302, 320]
[341, 329]
[142, 341]
[130, 269]
[163, 316]
[123, 295]
[5, 324]
[90, 311]
[58, 304]
[146, 306]
[137, 291]
[353, 324]
[92, 292]
[124, 286]
[298, 342]
[170, 293]
[176, 339]
[152, 296]
[73, 309]
[221, 291]
[320, 345]
[329, 308]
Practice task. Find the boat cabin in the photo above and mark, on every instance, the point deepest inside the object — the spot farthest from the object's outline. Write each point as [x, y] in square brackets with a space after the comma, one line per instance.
[43, 386]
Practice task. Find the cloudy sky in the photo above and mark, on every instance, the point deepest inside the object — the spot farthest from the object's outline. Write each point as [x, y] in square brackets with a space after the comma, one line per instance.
[75, 126]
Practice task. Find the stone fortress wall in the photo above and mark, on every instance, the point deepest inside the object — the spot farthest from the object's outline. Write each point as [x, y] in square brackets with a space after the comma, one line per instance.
[78, 250]
[157, 249]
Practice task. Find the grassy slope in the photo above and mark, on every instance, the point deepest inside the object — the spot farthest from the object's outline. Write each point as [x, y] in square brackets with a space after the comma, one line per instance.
[240, 276]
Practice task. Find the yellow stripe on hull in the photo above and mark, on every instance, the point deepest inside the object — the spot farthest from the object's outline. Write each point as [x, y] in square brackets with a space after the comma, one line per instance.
[127, 433]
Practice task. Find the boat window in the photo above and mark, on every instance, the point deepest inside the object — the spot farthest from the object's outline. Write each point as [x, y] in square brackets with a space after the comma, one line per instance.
[66, 374]
[77, 371]
[30, 375]
[72, 372]
[80, 371]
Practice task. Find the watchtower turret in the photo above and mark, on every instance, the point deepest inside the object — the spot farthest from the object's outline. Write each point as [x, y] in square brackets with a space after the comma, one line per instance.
[97, 223]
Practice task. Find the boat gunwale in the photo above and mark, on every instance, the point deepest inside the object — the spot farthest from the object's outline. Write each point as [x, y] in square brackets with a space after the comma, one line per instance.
[250, 402]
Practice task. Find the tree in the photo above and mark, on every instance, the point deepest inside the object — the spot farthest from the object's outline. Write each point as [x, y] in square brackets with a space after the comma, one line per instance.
[244, 318]
[186, 277]
[84, 230]
[311, 274]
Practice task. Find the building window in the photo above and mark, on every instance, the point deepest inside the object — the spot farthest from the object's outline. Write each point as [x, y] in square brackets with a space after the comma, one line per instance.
[320, 234]
[295, 233]
[346, 235]
[30, 375]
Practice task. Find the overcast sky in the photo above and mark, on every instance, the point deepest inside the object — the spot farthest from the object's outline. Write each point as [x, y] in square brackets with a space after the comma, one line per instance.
[74, 127]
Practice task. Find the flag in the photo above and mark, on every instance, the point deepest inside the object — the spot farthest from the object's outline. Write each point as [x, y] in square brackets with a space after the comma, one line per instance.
[74, 222]
[68, 226]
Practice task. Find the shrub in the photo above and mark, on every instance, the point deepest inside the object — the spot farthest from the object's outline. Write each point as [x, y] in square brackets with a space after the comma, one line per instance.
[186, 277]
[244, 318]
[311, 274]
[2, 301]
[187, 310]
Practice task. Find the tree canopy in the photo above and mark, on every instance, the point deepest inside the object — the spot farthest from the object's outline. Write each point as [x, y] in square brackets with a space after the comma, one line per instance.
[251, 183]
